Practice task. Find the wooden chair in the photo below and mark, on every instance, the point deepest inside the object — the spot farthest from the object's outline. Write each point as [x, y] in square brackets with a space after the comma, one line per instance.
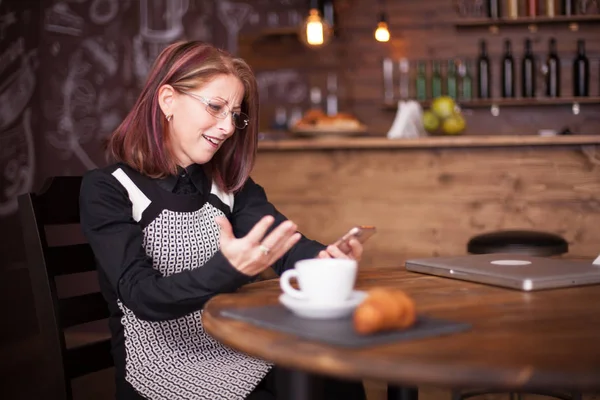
[57, 204]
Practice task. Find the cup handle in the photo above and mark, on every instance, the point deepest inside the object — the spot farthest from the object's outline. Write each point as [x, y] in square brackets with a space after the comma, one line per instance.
[284, 283]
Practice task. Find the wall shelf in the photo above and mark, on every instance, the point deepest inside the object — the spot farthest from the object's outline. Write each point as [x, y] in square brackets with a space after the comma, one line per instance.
[572, 22]
[461, 141]
[573, 102]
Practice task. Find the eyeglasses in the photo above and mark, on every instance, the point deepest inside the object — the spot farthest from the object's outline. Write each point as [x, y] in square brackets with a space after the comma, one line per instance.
[220, 109]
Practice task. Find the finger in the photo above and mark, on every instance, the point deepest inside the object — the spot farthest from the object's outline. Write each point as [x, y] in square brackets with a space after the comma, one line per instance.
[225, 226]
[323, 254]
[279, 235]
[259, 229]
[335, 252]
[356, 249]
[279, 251]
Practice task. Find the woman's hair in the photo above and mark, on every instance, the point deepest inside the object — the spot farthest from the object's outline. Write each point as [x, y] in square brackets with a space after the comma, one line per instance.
[141, 140]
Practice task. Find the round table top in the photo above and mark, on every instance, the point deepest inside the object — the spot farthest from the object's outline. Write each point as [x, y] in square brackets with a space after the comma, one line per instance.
[518, 340]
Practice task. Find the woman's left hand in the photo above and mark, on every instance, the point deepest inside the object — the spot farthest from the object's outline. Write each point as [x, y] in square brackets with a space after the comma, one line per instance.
[332, 251]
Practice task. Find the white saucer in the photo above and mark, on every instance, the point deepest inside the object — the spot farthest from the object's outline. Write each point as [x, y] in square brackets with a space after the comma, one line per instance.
[306, 309]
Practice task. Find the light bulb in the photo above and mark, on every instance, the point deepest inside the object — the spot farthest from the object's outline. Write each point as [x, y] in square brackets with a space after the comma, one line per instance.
[315, 31]
[382, 34]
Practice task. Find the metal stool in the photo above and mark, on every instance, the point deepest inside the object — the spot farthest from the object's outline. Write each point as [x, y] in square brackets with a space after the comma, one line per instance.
[532, 243]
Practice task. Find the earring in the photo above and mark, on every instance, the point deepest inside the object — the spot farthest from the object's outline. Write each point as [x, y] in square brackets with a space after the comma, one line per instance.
[169, 117]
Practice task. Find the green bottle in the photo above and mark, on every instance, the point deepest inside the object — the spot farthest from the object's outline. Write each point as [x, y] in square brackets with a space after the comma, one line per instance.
[436, 80]
[421, 82]
[466, 81]
[451, 87]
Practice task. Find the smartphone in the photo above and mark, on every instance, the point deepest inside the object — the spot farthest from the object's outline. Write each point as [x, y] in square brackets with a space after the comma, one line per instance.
[361, 233]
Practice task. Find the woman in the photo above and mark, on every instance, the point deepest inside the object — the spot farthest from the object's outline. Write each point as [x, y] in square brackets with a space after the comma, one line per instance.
[177, 220]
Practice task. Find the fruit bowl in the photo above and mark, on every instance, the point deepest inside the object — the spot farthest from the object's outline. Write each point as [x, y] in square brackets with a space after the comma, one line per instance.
[444, 117]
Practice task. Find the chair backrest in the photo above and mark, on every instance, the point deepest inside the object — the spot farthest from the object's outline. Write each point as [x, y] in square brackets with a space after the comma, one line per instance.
[57, 204]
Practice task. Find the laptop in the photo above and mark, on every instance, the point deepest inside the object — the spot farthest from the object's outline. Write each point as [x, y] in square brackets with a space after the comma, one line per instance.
[513, 271]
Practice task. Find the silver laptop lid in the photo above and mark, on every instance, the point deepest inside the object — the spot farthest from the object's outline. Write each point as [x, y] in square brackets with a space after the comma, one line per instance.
[510, 270]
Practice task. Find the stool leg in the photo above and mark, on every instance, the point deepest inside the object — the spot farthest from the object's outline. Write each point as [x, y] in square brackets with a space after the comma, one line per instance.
[402, 393]
[457, 394]
[576, 396]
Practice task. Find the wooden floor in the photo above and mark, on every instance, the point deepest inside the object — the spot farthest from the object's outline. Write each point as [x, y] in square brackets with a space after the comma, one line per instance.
[18, 361]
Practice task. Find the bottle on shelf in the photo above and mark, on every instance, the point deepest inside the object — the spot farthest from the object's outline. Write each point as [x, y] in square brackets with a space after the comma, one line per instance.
[331, 101]
[532, 8]
[493, 9]
[568, 7]
[553, 71]
[436, 79]
[551, 7]
[316, 98]
[512, 9]
[483, 73]
[451, 80]
[404, 79]
[388, 80]
[508, 71]
[280, 121]
[528, 71]
[421, 81]
[465, 92]
[581, 71]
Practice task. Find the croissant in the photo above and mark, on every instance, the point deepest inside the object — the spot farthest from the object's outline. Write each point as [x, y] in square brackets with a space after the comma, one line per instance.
[384, 309]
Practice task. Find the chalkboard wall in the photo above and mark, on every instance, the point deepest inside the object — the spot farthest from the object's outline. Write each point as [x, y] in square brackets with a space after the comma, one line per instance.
[69, 72]
[71, 69]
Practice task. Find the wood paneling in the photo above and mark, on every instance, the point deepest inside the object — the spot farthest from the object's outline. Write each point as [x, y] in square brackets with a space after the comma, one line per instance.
[428, 202]
[425, 30]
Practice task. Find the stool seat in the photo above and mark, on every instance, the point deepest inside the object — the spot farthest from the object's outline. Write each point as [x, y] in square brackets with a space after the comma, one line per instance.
[532, 243]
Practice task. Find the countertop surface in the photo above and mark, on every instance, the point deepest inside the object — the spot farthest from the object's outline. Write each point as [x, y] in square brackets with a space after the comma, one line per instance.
[332, 142]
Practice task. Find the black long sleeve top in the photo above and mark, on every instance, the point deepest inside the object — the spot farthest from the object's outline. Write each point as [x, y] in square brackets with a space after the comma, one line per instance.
[126, 271]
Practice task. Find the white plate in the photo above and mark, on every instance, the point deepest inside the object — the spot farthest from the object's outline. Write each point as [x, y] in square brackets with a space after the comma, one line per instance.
[306, 309]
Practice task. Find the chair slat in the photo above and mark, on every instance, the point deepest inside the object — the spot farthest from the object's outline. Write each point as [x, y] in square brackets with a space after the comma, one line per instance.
[58, 204]
[58, 201]
[81, 309]
[73, 259]
[79, 360]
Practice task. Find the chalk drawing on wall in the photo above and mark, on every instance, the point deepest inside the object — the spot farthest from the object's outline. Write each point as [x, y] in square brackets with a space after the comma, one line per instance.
[17, 153]
[161, 23]
[60, 19]
[284, 86]
[89, 110]
[201, 13]
[267, 14]
[233, 16]
[17, 160]
[6, 20]
[103, 11]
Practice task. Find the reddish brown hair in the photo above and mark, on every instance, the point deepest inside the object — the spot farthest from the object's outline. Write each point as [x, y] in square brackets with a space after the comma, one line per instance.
[141, 140]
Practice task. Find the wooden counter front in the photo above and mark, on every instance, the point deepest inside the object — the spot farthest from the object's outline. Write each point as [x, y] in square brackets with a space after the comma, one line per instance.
[429, 200]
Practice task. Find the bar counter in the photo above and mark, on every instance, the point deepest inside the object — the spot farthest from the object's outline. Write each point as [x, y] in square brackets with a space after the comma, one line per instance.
[427, 142]
[428, 196]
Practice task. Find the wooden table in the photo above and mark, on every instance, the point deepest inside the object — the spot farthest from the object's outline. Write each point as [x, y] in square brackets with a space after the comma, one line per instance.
[519, 341]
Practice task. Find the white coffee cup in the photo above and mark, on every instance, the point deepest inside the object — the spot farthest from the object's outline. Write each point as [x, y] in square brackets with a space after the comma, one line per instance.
[323, 281]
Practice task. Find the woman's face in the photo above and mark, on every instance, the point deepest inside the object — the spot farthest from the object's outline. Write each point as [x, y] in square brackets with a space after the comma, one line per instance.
[195, 134]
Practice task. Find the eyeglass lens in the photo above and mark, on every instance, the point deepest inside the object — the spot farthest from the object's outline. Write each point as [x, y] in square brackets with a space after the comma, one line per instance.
[220, 109]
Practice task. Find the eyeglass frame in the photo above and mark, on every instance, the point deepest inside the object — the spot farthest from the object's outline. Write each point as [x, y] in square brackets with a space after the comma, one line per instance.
[222, 115]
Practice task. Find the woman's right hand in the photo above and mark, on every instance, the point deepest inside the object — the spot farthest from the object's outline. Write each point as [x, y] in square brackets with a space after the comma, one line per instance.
[254, 253]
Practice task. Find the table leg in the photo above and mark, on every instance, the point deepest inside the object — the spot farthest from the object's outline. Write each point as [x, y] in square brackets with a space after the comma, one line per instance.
[402, 393]
[303, 386]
